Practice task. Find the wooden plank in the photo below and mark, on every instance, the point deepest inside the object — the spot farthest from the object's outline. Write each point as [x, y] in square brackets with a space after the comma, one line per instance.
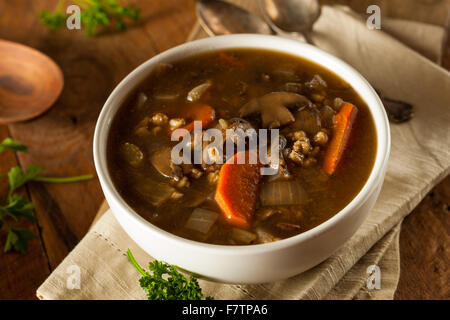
[61, 139]
[425, 248]
[20, 274]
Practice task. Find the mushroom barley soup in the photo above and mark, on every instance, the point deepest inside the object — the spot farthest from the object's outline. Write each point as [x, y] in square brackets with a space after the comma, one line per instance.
[327, 145]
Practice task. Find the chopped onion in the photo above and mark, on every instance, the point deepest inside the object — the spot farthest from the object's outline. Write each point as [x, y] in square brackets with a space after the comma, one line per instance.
[265, 237]
[156, 194]
[141, 99]
[194, 198]
[282, 193]
[166, 96]
[132, 154]
[198, 91]
[242, 236]
[201, 220]
[210, 203]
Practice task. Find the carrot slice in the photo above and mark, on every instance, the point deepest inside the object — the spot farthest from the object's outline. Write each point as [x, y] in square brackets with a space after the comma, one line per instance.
[199, 112]
[230, 60]
[237, 190]
[343, 123]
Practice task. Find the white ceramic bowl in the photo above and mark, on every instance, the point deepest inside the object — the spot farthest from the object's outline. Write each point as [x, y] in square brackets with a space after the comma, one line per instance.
[254, 263]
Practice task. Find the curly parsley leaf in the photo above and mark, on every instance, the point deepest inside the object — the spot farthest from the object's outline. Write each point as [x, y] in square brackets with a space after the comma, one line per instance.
[18, 239]
[17, 178]
[19, 207]
[14, 207]
[9, 143]
[53, 20]
[166, 282]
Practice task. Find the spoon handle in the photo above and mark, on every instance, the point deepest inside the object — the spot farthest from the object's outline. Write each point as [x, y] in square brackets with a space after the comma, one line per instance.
[308, 38]
[302, 37]
[397, 111]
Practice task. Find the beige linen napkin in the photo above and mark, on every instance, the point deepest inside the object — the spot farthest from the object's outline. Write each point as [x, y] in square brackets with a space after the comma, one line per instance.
[419, 159]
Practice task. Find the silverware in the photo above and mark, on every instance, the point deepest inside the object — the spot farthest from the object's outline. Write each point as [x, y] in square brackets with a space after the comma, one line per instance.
[397, 111]
[219, 17]
[30, 82]
[291, 17]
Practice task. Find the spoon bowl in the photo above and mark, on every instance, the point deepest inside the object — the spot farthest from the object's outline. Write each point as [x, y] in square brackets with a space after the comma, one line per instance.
[222, 18]
[294, 16]
[30, 82]
[288, 18]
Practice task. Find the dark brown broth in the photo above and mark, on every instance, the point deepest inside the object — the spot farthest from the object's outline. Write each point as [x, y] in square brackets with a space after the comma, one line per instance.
[327, 195]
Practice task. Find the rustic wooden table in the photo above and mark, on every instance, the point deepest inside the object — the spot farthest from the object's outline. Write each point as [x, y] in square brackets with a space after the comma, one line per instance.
[61, 141]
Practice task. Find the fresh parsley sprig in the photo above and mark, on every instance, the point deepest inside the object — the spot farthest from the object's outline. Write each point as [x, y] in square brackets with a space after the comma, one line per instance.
[95, 13]
[14, 207]
[9, 143]
[166, 283]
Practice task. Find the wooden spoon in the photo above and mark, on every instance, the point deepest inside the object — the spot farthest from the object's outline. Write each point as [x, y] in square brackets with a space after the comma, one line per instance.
[30, 82]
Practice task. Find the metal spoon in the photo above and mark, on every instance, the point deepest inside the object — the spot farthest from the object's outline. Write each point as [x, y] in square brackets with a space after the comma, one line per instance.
[219, 17]
[294, 17]
[291, 17]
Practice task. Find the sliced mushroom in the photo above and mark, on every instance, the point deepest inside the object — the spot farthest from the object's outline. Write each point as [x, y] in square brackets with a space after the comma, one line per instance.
[274, 108]
[198, 91]
[265, 213]
[241, 236]
[162, 162]
[327, 115]
[307, 120]
[264, 236]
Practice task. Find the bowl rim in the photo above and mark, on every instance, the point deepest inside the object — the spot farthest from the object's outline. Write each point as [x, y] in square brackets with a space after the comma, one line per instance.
[243, 41]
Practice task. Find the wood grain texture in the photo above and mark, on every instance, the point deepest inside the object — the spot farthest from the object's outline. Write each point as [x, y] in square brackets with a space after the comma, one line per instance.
[61, 141]
[30, 82]
[425, 248]
[20, 274]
